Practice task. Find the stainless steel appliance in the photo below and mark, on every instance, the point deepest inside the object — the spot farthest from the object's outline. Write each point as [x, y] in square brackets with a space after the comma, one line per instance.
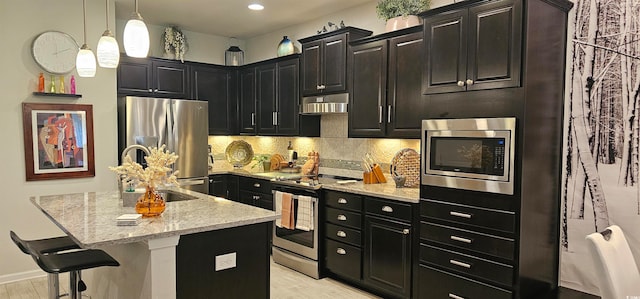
[181, 125]
[472, 154]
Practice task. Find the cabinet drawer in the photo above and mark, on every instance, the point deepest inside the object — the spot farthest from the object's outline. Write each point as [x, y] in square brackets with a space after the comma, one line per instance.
[264, 201]
[346, 218]
[343, 259]
[480, 217]
[345, 201]
[467, 264]
[387, 208]
[343, 234]
[478, 242]
[438, 284]
[255, 185]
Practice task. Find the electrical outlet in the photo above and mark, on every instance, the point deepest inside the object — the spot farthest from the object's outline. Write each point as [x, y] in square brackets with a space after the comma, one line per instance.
[225, 261]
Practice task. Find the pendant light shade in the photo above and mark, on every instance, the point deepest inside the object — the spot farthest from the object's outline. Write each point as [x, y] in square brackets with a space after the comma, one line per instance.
[136, 36]
[108, 51]
[85, 60]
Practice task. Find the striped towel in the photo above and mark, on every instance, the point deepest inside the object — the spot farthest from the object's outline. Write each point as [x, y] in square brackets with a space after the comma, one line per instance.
[305, 213]
[278, 208]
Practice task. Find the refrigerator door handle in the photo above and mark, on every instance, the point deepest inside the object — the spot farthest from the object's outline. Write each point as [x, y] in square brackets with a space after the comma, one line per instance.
[191, 182]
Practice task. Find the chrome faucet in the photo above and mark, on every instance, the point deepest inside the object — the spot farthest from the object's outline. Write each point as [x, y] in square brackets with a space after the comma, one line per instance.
[124, 154]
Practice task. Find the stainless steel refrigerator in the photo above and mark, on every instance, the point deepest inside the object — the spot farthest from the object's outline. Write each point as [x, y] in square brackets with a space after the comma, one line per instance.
[182, 125]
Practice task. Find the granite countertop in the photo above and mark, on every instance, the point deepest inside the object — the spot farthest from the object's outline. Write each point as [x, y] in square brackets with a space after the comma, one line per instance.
[90, 217]
[387, 190]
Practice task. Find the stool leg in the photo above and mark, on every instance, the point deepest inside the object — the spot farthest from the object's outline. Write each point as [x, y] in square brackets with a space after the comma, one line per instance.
[54, 286]
[73, 284]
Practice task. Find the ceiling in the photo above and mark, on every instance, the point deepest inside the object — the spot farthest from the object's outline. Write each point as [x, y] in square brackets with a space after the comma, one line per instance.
[232, 18]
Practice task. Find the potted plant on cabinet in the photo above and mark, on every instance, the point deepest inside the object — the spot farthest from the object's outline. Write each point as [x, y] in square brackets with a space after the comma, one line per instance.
[401, 13]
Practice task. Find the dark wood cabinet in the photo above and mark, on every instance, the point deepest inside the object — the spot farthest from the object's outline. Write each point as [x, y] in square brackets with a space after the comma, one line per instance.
[247, 100]
[266, 99]
[386, 98]
[324, 60]
[473, 48]
[218, 86]
[288, 95]
[152, 77]
[224, 185]
[343, 225]
[255, 192]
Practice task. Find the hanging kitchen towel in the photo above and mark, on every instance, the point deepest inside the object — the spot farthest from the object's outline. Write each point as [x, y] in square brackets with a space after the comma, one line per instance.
[278, 208]
[287, 216]
[305, 213]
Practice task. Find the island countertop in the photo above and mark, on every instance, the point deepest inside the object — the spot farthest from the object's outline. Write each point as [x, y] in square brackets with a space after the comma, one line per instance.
[90, 218]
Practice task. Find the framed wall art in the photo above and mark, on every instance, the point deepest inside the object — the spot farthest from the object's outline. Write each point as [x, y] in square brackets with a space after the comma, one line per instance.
[58, 141]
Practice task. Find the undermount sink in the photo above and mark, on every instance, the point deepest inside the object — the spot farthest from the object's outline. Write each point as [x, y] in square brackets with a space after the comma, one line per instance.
[170, 196]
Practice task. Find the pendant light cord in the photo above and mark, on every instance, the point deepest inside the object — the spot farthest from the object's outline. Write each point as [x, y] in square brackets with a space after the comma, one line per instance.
[84, 17]
[107, 14]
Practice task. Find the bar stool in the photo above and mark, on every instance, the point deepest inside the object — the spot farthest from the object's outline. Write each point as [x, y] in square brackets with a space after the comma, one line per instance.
[57, 262]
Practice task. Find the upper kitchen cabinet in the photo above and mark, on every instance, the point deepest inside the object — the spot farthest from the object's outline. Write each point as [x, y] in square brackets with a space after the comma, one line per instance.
[385, 85]
[247, 100]
[473, 47]
[152, 77]
[218, 86]
[324, 60]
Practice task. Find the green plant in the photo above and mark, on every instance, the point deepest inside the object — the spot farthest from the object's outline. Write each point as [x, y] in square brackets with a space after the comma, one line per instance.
[388, 9]
[260, 159]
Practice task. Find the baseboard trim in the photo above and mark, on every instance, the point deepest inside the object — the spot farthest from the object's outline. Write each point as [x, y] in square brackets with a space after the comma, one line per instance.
[21, 276]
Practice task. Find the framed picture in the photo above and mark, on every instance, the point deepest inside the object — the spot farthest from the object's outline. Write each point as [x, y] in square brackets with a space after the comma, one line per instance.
[58, 141]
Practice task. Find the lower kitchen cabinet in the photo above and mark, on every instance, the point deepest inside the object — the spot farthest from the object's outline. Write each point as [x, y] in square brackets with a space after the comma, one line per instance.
[224, 185]
[439, 284]
[255, 192]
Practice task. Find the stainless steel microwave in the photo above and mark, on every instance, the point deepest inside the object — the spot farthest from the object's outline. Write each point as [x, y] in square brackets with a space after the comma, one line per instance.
[471, 154]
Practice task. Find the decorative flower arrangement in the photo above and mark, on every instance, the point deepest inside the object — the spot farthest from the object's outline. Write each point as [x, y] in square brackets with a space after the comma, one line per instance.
[175, 42]
[157, 172]
[388, 9]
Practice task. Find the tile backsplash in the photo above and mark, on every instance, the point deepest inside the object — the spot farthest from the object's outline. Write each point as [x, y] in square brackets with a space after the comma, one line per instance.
[335, 148]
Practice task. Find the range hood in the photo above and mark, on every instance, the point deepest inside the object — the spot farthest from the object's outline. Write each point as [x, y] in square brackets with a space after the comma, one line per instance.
[325, 104]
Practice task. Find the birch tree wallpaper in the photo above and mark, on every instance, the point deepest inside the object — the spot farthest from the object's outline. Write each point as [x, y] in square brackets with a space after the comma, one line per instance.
[601, 168]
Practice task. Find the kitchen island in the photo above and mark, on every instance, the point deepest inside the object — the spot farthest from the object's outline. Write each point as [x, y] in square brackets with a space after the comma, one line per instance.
[196, 247]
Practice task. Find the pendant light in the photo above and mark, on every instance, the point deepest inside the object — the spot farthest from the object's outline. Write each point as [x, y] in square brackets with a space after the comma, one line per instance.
[108, 51]
[85, 61]
[136, 36]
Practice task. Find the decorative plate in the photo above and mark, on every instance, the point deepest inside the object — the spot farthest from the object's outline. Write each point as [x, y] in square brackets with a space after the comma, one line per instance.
[239, 153]
[406, 162]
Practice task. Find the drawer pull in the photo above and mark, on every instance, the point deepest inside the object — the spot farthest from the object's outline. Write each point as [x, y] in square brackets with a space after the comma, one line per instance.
[387, 209]
[342, 217]
[256, 185]
[341, 251]
[459, 263]
[458, 214]
[341, 234]
[459, 239]
[454, 296]
[405, 231]
[342, 201]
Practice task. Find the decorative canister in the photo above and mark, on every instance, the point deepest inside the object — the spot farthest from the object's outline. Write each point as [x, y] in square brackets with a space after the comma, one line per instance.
[285, 47]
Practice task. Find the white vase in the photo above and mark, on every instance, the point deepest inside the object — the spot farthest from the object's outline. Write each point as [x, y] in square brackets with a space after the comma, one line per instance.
[402, 22]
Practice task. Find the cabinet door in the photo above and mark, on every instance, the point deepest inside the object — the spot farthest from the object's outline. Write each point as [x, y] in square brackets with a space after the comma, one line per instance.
[215, 85]
[368, 89]
[266, 99]
[405, 103]
[387, 255]
[247, 101]
[170, 79]
[445, 63]
[311, 55]
[288, 107]
[218, 185]
[334, 64]
[134, 77]
[494, 41]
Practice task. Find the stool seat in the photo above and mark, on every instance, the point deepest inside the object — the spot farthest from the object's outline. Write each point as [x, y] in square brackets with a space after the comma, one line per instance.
[74, 260]
[44, 246]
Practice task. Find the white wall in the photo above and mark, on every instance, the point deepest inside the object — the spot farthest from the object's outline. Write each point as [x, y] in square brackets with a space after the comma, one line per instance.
[20, 22]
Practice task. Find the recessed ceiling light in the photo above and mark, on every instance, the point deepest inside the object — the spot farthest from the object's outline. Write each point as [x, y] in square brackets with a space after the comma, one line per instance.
[256, 6]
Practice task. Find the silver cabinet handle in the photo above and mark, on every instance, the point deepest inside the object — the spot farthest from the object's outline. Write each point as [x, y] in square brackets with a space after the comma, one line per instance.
[469, 82]
[405, 231]
[150, 90]
[318, 87]
[458, 214]
[454, 296]
[273, 118]
[341, 234]
[342, 201]
[210, 181]
[341, 251]
[459, 239]
[380, 114]
[342, 217]
[256, 197]
[387, 209]
[389, 114]
[277, 118]
[155, 90]
[256, 185]
[461, 83]
[459, 263]
[253, 118]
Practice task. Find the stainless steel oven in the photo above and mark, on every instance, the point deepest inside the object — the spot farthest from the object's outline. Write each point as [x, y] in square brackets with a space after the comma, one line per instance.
[472, 154]
[297, 248]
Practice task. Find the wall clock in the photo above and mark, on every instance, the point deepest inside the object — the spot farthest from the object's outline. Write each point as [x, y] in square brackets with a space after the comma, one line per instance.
[55, 52]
